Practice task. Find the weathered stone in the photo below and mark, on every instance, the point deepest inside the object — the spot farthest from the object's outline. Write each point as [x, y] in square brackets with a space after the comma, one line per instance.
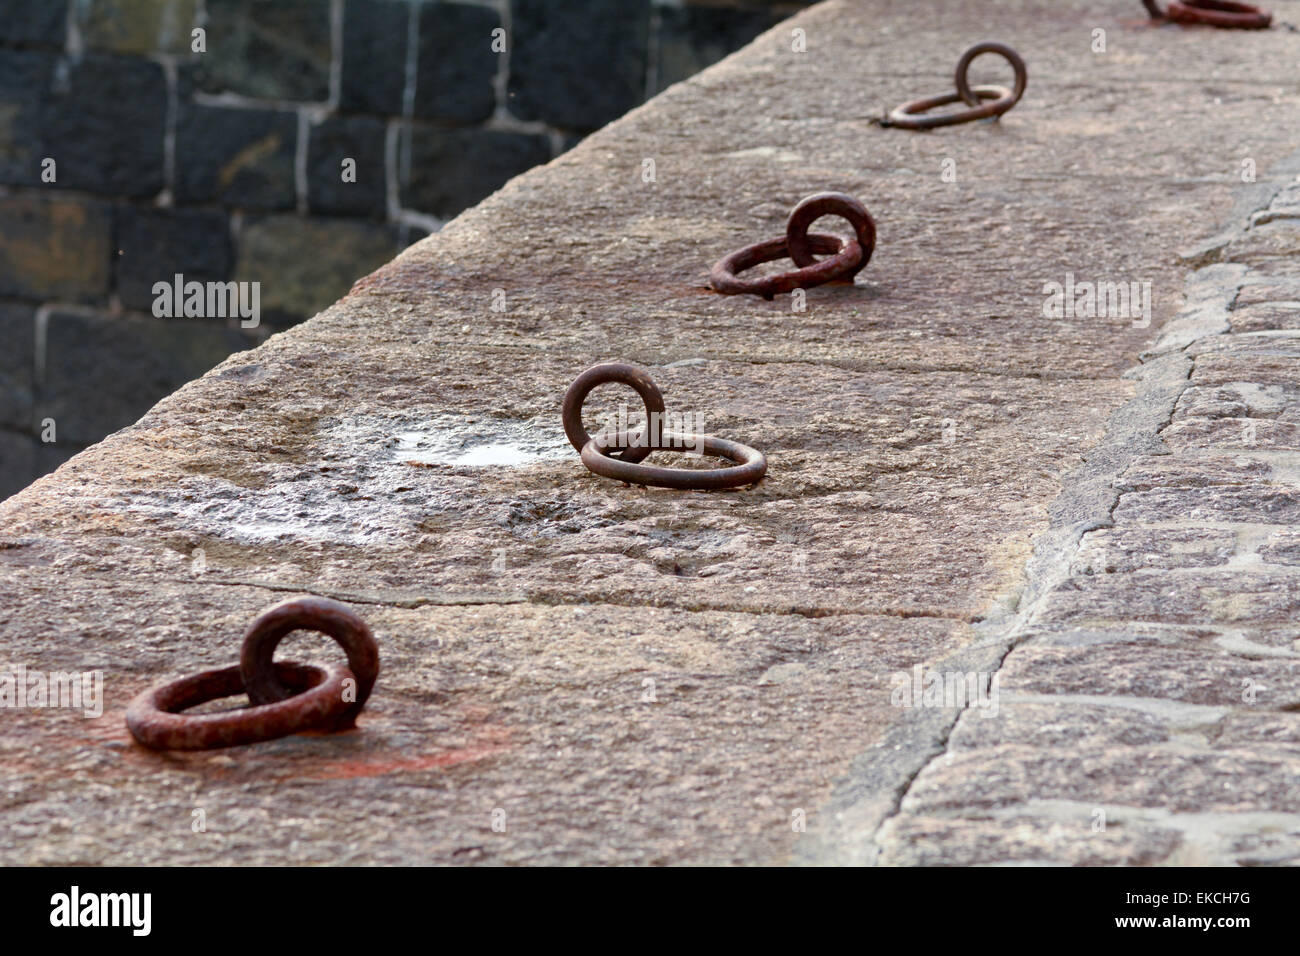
[274, 51]
[138, 26]
[1121, 550]
[54, 249]
[694, 37]
[27, 24]
[332, 142]
[1265, 316]
[154, 245]
[1022, 837]
[85, 392]
[1189, 675]
[456, 63]
[17, 363]
[577, 66]
[453, 169]
[101, 119]
[375, 38]
[237, 157]
[305, 264]
[17, 462]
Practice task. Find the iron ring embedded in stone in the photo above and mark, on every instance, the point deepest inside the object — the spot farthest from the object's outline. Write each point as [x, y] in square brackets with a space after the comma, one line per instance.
[844, 257]
[1218, 13]
[325, 616]
[624, 374]
[812, 208]
[750, 466]
[155, 719]
[996, 99]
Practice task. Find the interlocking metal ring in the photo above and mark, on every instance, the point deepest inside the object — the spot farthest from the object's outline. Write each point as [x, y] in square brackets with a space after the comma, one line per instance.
[571, 411]
[155, 719]
[597, 452]
[1213, 13]
[308, 614]
[999, 98]
[845, 258]
[286, 698]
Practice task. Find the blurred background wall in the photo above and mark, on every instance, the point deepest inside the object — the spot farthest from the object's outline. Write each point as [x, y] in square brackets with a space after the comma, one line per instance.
[298, 144]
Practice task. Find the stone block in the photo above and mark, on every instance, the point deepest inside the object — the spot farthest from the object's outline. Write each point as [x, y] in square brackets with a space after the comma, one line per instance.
[17, 462]
[456, 63]
[374, 56]
[17, 362]
[54, 249]
[102, 372]
[236, 157]
[577, 65]
[154, 245]
[361, 139]
[101, 119]
[305, 265]
[452, 170]
[273, 51]
[692, 38]
[138, 26]
[33, 23]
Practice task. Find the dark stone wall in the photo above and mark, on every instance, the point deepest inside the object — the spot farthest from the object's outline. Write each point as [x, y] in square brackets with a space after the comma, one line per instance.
[141, 139]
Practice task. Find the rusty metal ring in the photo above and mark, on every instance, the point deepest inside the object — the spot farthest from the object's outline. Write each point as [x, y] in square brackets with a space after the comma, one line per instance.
[1217, 13]
[155, 719]
[813, 208]
[750, 466]
[845, 257]
[907, 116]
[624, 374]
[309, 614]
[997, 99]
[962, 80]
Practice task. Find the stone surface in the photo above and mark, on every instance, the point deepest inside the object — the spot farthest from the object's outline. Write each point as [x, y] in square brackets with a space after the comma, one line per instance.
[456, 64]
[154, 245]
[54, 248]
[648, 676]
[453, 169]
[272, 51]
[240, 157]
[356, 138]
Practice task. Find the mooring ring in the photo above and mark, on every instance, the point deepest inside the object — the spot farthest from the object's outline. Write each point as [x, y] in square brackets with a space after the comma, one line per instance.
[317, 702]
[308, 614]
[624, 374]
[750, 466]
[1218, 13]
[812, 208]
[844, 257]
[962, 80]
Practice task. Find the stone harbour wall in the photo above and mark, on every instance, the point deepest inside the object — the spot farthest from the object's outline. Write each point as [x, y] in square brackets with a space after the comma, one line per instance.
[296, 144]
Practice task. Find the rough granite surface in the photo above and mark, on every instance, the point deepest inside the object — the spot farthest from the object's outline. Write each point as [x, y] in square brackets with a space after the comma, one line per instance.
[1103, 512]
